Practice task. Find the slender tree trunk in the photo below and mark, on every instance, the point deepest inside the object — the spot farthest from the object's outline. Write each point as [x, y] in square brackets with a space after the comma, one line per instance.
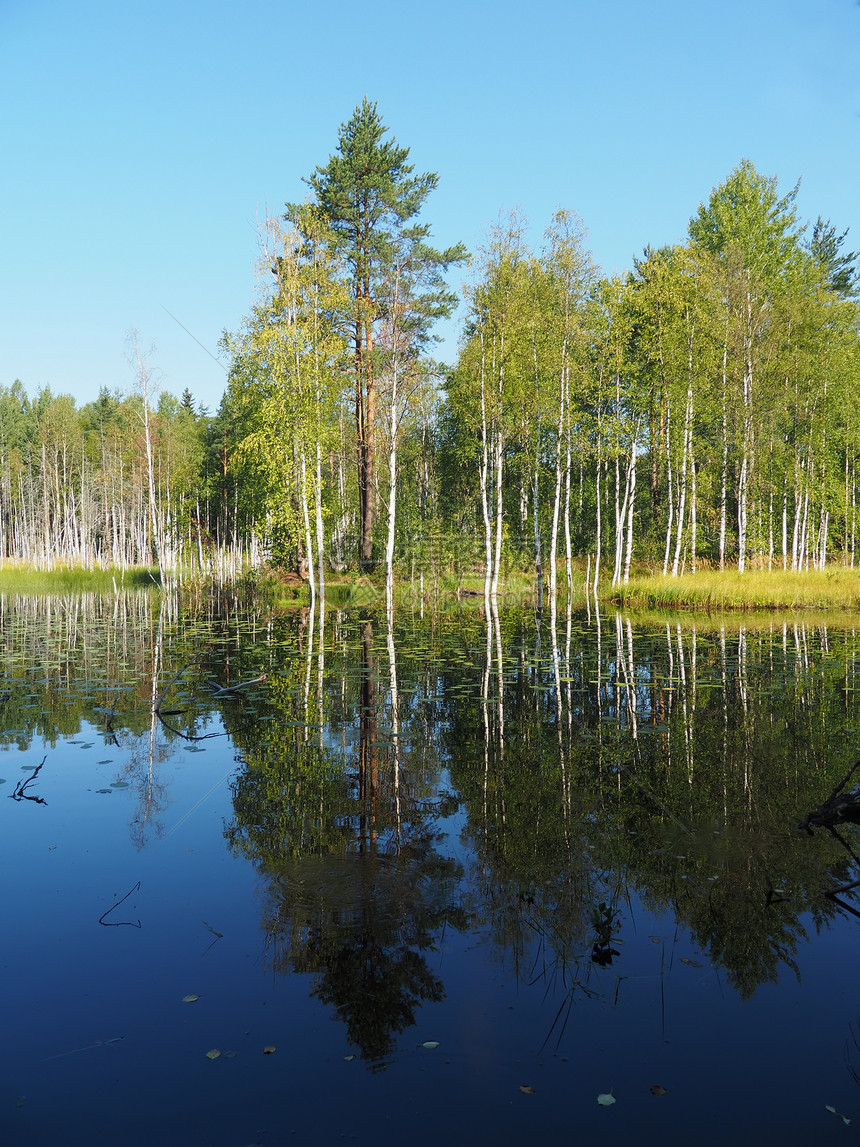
[556, 498]
[682, 496]
[536, 483]
[485, 478]
[306, 520]
[392, 497]
[724, 462]
[670, 498]
[598, 522]
[498, 459]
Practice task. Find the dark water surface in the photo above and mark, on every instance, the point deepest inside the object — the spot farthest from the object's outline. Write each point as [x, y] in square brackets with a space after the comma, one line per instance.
[463, 876]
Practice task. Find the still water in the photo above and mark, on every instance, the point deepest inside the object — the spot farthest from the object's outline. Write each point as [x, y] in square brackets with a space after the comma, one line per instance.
[463, 879]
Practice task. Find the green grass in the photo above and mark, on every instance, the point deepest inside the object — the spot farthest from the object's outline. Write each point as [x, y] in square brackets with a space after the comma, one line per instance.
[837, 588]
[17, 578]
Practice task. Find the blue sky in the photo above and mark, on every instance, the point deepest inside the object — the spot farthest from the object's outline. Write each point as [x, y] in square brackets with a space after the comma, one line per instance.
[142, 142]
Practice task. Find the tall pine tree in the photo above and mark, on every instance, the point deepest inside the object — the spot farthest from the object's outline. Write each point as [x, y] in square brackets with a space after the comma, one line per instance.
[369, 196]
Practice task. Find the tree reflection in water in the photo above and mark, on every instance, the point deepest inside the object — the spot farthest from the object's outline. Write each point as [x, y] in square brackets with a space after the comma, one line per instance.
[357, 892]
[662, 764]
[457, 771]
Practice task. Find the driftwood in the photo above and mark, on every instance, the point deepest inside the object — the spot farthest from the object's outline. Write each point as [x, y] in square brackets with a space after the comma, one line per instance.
[226, 690]
[156, 708]
[110, 732]
[840, 807]
[21, 794]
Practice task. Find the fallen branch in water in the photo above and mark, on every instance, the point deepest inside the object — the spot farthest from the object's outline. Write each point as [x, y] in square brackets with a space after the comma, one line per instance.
[109, 722]
[87, 1047]
[20, 793]
[120, 923]
[222, 690]
[837, 809]
[218, 936]
[156, 708]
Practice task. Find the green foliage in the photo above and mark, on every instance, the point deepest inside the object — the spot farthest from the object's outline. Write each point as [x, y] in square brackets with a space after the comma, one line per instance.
[751, 226]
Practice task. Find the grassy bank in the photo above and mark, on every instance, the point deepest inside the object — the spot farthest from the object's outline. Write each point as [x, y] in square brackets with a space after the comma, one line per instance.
[834, 589]
[15, 578]
[837, 588]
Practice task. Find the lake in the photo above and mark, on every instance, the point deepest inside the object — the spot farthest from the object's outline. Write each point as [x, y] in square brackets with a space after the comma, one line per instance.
[284, 878]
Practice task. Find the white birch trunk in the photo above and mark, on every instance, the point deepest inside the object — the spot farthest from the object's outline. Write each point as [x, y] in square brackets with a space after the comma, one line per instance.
[309, 549]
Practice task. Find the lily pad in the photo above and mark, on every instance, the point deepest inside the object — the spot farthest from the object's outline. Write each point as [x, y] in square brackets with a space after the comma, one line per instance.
[213, 1054]
[606, 1100]
[190, 999]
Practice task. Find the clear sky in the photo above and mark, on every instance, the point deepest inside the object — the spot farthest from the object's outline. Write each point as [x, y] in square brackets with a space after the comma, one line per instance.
[142, 141]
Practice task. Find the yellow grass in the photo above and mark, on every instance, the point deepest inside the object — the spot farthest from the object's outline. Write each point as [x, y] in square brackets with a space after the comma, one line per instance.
[837, 588]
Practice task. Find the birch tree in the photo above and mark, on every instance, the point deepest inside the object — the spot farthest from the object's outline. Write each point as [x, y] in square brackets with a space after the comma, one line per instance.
[753, 231]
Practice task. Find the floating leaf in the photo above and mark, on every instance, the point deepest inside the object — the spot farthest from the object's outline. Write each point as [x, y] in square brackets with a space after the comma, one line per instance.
[838, 1114]
[230, 1054]
[606, 1100]
[691, 963]
[213, 1054]
[526, 1090]
[349, 1058]
[103, 791]
[119, 785]
[190, 999]
[268, 1050]
[430, 1044]
[656, 1089]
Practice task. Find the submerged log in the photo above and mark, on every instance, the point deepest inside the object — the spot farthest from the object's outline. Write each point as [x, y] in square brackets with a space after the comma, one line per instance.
[840, 807]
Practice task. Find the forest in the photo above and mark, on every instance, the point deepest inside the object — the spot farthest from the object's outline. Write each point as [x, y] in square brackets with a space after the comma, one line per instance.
[697, 412]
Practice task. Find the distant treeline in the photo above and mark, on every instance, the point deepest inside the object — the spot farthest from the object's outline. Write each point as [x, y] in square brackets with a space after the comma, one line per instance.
[74, 483]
